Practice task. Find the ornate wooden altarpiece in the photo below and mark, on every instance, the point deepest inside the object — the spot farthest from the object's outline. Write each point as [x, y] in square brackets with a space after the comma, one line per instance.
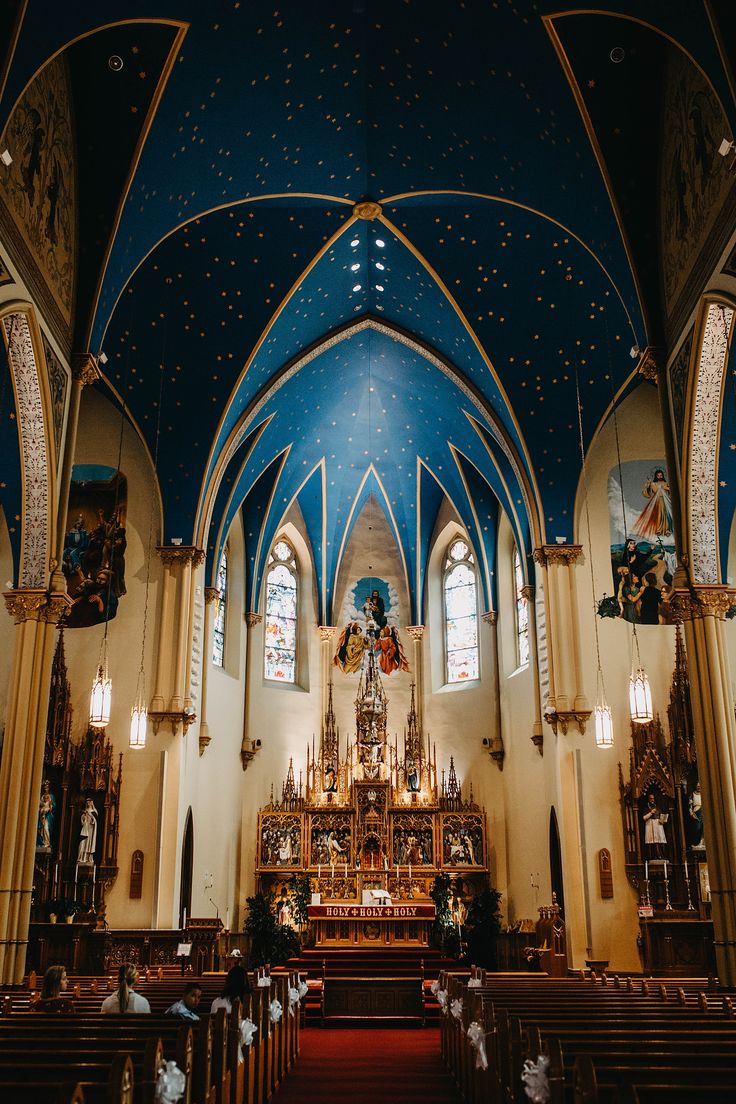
[67, 879]
[667, 862]
[372, 817]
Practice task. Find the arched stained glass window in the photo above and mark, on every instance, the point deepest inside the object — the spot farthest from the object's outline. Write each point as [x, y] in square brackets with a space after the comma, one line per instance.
[522, 613]
[461, 613]
[281, 596]
[218, 639]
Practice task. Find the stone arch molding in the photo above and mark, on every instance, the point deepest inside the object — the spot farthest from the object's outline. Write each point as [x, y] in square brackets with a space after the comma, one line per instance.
[702, 469]
[34, 430]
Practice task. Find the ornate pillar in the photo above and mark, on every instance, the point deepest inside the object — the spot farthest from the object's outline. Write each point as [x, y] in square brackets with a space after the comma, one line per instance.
[537, 737]
[170, 700]
[703, 610]
[249, 746]
[567, 701]
[84, 373]
[496, 750]
[211, 597]
[416, 632]
[36, 613]
[326, 633]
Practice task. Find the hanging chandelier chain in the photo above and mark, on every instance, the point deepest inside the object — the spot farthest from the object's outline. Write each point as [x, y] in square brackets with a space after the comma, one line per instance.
[587, 520]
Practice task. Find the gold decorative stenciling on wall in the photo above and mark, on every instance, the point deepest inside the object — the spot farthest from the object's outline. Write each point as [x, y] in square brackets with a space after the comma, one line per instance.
[38, 201]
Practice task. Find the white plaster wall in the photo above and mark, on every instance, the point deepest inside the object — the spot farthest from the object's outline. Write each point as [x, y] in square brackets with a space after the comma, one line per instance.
[614, 924]
[97, 443]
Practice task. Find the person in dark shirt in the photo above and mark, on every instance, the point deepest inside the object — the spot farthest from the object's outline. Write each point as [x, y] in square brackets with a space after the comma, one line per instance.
[651, 596]
[52, 997]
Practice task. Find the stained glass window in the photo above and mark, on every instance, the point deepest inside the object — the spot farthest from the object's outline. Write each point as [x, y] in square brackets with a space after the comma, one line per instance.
[461, 614]
[218, 640]
[522, 613]
[280, 634]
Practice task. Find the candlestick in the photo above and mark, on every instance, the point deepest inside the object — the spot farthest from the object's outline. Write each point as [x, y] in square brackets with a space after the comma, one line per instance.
[185, 918]
[665, 870]
[646, 870]
[227, 918]
[346, 870]
[397, 870]
[687, 884]
[686, 870]
[667, 905]
[409, 871]
[319, 871]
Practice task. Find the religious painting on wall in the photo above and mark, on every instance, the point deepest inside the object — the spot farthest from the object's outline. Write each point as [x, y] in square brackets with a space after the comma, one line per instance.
[370, 615]
[95, 542]
[642, 542]
[38, 200]
[330, 837]
[463, 840]
[412, 839]
[280, 840]
[695, 178]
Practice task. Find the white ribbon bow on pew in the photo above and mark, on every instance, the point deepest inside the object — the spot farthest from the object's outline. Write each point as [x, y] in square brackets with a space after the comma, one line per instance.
[478, 1042]
[171, 1084]
[457, 1008]
[303, 989]
[474, 983]
[442, 999]
[264, 983]
[275, 1011]
[293, 999]
[435, 986]
[247, 1031]
[536, 1079]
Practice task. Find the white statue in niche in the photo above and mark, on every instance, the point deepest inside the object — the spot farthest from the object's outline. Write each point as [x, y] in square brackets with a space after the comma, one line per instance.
[88, 836]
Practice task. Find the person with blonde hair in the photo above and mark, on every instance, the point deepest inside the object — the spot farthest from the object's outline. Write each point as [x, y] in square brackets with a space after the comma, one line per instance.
[125, 999]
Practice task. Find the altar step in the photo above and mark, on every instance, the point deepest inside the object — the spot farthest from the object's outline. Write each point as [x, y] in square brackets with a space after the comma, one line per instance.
[359, 965]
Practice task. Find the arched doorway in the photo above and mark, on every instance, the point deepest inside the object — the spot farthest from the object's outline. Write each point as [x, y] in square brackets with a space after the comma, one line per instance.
[555, 861]
[187, 863]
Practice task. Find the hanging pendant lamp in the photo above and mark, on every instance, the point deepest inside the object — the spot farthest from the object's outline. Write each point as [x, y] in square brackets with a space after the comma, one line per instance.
[101, 697]
[603, 725]
[138, 720]
[640, 696]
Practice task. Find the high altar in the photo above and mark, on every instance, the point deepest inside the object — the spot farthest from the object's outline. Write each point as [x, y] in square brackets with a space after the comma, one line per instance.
[372, 825]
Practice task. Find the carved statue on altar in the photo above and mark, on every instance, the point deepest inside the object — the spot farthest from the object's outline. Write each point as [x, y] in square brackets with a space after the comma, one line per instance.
[88, 835]
[370, 753]
[46, 812]
[695, 808]
[655, 839]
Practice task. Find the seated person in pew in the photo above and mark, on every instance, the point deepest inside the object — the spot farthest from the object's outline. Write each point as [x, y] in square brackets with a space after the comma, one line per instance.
[125, 999]
[184, 1009]
[235, 987]
[52, 997]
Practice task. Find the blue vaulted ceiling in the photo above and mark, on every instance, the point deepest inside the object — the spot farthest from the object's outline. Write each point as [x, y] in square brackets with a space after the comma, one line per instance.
[509, 269]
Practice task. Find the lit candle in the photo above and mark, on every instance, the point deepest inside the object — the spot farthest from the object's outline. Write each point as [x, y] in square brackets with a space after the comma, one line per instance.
[333, 871]
[185, 919]
[665, 868]
[646, 870]
[346, 870]
[397, 870]
[227, 918]
[409, 871]
[687, 874]
[319, 871]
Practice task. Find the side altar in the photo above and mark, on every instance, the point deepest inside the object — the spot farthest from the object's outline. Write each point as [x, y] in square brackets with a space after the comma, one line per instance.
[371, 827]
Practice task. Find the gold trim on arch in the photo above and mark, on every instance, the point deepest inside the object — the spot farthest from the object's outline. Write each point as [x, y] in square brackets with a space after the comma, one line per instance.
[531, 475]
[53, 507]
[203, 544]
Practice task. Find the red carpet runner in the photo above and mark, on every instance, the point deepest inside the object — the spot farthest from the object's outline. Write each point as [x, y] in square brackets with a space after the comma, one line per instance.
[391, 1066]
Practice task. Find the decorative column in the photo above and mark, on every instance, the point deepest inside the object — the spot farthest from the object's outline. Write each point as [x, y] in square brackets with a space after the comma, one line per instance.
[211, 597]
[249, 746]
[326, 633]
[416, 632]
[170, 700]
[84, 373]
[537, 737]
[703, 610]
[567, 700]
[36, 613]
[496, 750]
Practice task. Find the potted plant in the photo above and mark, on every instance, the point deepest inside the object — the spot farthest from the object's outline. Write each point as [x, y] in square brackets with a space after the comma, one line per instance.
[270, 942]
[53, 909]
[301, 897]
[484, 921]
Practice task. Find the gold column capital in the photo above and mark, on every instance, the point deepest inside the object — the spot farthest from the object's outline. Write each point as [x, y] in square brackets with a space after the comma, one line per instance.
[528, 591]
[326, 632]
[211, 594]
[252, 619]
[489, 618]
[36, 604]
[557, 553]
[416, 632]
[651, 362]
[702, 601]
[172, 554]
[85, 369]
